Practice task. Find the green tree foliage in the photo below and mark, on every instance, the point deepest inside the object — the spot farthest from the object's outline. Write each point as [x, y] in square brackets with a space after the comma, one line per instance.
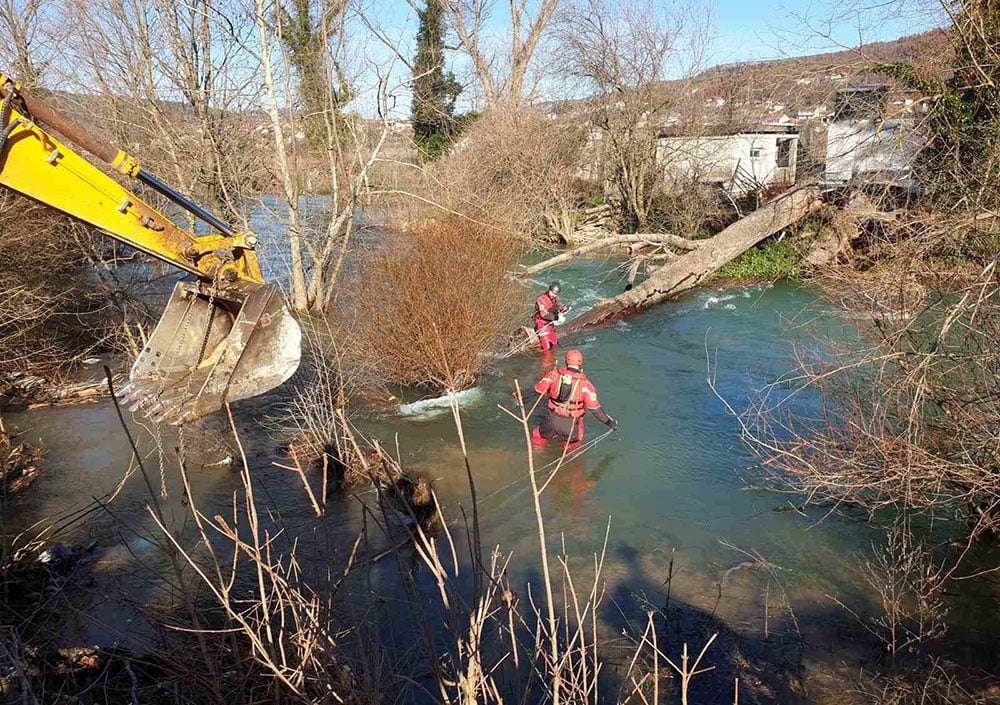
[960, 164]
[306, 31]
[434, 90]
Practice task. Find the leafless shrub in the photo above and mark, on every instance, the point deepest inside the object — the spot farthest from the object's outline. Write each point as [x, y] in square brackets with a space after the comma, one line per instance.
[345, 460]
[938, 684]
[513, 171]
[911, 404]
[284, 626]
[691, 208]
[436, 300]
[908, 583]
[54, 309]
[908, 398]
[335, 373]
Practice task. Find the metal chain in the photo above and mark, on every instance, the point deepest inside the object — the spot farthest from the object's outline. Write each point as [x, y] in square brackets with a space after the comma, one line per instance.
[211, 316]
[211, 319]
[204, 340]
[158, 439]
[182, 458]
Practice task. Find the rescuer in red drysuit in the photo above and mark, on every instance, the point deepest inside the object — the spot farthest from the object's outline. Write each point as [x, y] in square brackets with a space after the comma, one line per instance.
[570, 395]
[547, 310]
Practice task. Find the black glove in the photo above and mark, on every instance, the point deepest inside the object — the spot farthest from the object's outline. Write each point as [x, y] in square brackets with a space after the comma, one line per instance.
[612, 423]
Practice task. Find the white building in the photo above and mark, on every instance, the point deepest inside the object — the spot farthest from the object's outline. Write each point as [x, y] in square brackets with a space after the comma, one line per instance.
[872, 151]
[862, 145]
[738, 162]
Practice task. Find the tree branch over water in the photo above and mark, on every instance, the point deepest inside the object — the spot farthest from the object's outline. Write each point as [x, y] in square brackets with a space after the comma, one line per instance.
[690, 270]
[677, 241]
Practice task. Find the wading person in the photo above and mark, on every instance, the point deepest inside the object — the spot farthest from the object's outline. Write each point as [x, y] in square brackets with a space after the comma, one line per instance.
[571, 395]
[547, 310]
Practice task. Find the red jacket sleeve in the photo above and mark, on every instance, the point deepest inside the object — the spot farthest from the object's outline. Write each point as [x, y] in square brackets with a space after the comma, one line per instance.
[546, 309]
[589, 396]
[542, 386]
[592, 405]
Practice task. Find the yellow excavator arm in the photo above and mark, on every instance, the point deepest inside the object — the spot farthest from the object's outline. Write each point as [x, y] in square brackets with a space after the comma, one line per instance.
[223, 337]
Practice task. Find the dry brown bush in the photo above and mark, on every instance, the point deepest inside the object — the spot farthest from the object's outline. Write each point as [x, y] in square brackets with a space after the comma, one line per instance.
[691, 209]
[513, 170]
[436, 300]
[937, 683]
[55, 308]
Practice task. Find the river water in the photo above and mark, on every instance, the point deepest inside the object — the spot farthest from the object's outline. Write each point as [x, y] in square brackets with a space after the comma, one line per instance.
[675, 483]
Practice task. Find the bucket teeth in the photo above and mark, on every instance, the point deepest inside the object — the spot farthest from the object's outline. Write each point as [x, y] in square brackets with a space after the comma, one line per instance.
[149, 400]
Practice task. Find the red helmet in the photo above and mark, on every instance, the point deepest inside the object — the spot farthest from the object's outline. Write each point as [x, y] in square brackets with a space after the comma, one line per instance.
[574, 358]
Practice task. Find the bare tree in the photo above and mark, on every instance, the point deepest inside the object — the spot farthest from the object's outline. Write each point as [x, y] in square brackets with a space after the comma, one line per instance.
[26, 38]
[622, 50]
[172, 85]
[351, 146]
[502, 72]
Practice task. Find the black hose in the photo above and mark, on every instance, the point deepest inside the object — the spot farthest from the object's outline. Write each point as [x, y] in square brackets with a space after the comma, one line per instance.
[4, 116]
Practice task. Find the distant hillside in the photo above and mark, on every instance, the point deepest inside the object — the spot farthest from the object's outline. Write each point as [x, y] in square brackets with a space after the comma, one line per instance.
[787, 91]
[804, 82]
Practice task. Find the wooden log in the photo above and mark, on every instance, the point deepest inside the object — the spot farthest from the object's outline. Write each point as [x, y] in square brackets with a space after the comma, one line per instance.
[681, 243]
[649, 238]
[688, 271]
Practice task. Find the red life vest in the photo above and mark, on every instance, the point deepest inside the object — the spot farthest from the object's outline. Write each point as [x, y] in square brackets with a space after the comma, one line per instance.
[544, 304]
[566, 393]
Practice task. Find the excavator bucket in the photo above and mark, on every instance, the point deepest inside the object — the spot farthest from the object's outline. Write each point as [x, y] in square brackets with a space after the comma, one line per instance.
[212, 347]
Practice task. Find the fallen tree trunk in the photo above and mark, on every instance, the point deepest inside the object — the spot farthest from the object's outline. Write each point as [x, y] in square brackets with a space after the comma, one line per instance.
[646, 238]
[688, 271]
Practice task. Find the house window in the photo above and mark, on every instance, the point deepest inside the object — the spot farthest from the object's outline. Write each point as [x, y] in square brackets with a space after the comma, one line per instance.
[755, 152]
[784, 158]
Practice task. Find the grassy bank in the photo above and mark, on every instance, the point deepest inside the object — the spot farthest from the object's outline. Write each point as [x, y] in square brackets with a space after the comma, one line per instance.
[773, 260]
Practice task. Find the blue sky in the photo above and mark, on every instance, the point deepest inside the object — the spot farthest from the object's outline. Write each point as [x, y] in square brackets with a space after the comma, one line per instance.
[744, 30]
[775, 28]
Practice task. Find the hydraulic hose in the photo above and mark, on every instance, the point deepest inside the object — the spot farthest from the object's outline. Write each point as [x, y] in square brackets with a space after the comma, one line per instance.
[4, 116]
